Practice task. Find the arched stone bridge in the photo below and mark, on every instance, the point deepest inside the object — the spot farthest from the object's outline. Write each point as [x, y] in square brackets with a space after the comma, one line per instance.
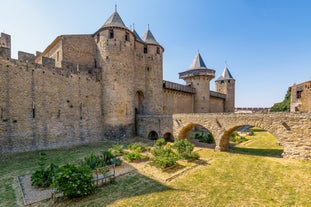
[293, 131]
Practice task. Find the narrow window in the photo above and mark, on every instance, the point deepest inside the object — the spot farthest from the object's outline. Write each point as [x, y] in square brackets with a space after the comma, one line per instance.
[145, 50]
[57, 56]
[33, 110]
[1, 113]
[158, 50]
[298, 94]
[127, 36]
[111, 34]
[97, 37]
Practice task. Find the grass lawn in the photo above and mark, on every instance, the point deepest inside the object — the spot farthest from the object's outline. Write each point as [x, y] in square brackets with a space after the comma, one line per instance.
[241, 178]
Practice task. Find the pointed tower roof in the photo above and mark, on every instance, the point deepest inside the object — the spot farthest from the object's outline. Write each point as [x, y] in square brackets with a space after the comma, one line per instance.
[197, 68]
[136, 35]
[226, 75]
[197, 63]
[149, 38]
[114, 21]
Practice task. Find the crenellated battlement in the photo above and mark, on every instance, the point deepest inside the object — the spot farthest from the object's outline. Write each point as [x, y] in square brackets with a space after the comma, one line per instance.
[26, 61]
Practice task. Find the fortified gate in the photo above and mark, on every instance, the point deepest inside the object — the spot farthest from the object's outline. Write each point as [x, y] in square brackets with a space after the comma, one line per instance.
[293, 131]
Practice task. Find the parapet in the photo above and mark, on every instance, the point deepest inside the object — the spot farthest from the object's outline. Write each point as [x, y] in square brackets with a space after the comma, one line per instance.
[27, 57]
[5, 40]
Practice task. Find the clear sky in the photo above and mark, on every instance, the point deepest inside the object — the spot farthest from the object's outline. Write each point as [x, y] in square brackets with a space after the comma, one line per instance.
[265, 43]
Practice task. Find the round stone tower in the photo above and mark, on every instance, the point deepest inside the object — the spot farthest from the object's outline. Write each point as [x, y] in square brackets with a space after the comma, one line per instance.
[153, 80]
[226, 84]
[198, 76]
[115, 56]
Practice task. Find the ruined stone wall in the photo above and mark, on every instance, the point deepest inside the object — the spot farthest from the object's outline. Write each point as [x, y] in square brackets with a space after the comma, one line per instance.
[177, 102]
[41, 108]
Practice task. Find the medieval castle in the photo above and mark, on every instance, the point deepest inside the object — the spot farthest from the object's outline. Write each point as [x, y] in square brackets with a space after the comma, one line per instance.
[90, 87]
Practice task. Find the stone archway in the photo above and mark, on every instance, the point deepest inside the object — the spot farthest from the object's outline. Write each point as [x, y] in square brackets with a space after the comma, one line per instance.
[197, 134]
[168, 137]
[139, 99]
[153, 135]
[252, 140]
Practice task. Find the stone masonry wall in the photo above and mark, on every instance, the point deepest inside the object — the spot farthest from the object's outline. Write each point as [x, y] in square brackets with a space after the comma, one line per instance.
[177, 102]
[216, 105]
[293, 131]
[40, 108]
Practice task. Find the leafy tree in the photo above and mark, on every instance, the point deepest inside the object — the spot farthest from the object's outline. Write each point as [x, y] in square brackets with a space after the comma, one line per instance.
[283, 106]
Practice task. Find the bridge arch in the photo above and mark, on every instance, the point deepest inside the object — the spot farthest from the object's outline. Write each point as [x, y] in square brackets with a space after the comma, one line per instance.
[292, 130]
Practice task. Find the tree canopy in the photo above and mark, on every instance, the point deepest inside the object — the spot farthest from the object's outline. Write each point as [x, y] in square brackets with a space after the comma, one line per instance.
[283, 106]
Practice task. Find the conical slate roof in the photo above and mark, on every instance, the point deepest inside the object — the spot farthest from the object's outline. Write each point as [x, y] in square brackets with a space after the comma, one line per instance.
[137, 36]
[114, 21]
[149, 38]
[197, 63]
[226, 75]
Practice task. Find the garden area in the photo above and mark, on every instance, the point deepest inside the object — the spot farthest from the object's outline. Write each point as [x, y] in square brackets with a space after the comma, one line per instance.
[162, 174]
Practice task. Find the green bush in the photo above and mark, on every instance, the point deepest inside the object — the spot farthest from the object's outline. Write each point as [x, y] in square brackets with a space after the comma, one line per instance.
[44, 177]
[116, 161]
[160, 142]
[185, 149]
[106, 157]
[74, 181]
[136, 147]
[92, 161]
[163, 161]
[116, 150]
[134, 155]
[163, 157]
[206, 138]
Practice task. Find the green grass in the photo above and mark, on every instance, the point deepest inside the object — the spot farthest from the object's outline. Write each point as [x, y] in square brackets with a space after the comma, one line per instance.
[230, 179]
[261, 143]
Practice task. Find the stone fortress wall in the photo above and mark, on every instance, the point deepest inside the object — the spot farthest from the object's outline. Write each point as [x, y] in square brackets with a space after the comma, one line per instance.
[41, 107]
[90, 87]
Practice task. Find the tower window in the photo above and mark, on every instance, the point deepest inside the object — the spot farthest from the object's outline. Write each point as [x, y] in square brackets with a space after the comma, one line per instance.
[97, 37]
[127, 36]
[158, 50]
[111, 34]
[298, 94]
[145, 50]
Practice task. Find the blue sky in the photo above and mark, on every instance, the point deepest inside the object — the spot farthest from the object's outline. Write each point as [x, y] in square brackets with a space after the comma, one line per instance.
[266, 43]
